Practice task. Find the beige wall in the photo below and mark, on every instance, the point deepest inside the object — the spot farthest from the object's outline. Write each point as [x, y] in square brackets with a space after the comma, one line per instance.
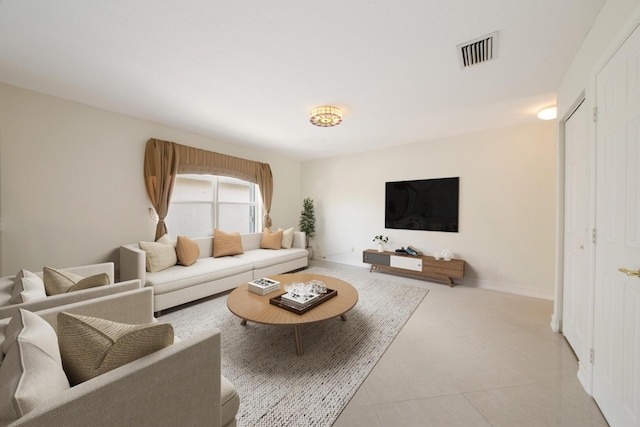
[507, 204]
[71, 186]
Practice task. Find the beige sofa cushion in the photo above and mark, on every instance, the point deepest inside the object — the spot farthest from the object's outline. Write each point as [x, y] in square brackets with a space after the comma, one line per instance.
[90, 346]
[187, 250]
[60, 282]
[225, 244]
[31, 372]
[271, 239]
[27, 287]
[160, 254]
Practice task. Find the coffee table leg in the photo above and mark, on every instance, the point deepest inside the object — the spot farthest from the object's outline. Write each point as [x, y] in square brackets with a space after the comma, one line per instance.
[298, 335]
[243, 322]
[343, 317]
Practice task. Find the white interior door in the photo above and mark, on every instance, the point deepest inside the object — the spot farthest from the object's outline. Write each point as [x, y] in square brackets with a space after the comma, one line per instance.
[616, 368]
[577, 238]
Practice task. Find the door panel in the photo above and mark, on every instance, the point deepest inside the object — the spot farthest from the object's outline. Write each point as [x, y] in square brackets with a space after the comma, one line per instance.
[616, 368]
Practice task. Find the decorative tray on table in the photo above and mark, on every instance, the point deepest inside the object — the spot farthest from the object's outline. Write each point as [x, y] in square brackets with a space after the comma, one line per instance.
[301, 307]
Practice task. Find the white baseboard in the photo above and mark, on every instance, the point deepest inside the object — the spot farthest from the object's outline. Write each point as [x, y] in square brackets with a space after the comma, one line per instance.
[582, 376]
[556, 324]
[510, 289]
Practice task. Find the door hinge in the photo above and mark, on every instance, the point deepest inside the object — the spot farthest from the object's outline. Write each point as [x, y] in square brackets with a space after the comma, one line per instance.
[592, 355]
[595, 114]
[593, 236]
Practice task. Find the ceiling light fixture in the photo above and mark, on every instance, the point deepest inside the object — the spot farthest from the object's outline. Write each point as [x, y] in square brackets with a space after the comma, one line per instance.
[326, 116]
[548, 113]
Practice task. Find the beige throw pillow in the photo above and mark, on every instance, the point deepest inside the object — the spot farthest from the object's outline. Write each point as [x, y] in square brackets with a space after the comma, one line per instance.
[27, 287]
[271, 240]
[90, 346]
[161, 254]
[287, 238]
[225, 244]
[31, 372]
[187, 250]
[60, 282]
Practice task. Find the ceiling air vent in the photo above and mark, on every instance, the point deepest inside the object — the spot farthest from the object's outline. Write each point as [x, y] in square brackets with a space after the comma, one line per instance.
[480, 50]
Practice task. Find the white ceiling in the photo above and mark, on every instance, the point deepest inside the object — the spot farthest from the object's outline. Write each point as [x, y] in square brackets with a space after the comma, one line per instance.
[249, 71]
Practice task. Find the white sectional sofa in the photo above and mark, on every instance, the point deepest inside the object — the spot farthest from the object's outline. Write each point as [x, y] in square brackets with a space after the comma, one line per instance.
[209, 276]
[7, 283]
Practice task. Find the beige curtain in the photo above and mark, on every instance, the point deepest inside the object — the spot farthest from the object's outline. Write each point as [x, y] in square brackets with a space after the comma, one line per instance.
[264, 179]
[161, 161]
[196, 160]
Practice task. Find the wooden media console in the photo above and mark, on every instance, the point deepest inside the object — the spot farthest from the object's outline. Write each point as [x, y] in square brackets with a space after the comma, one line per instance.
[418, 267]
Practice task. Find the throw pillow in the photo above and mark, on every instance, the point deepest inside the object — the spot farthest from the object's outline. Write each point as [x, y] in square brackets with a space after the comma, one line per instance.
[225, 244]
[287, 238]
[187, 250]
[27, 287]
[90, 346]
[160, 254]
[31, 372]
[60, 282]
[271, 240]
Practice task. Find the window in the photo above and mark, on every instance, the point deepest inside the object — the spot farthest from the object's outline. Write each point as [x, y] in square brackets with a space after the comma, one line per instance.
[201, 203]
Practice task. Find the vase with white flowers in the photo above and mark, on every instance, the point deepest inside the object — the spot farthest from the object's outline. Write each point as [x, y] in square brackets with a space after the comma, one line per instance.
[381, 240]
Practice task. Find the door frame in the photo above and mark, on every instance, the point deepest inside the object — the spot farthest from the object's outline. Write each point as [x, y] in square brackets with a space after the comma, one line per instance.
[584, 367]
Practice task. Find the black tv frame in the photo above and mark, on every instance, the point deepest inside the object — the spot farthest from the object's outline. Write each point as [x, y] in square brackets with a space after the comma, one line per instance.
[423, 204]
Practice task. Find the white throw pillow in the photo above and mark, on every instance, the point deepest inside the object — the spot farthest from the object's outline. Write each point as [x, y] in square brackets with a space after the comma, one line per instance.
[287, 238]
[160, 254]
[27, 287]
[31, 372]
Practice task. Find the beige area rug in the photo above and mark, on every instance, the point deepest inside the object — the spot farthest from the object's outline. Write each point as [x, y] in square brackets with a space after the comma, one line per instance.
[278, 388]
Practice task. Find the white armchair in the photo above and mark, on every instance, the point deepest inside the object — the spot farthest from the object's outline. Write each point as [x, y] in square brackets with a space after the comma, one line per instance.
[178, 385]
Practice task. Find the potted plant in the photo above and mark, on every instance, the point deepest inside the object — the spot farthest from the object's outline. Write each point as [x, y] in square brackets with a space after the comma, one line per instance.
[381, 240]
[308, 222]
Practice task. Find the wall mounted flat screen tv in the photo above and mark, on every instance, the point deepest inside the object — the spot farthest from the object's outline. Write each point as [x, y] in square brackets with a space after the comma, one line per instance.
[426, 204]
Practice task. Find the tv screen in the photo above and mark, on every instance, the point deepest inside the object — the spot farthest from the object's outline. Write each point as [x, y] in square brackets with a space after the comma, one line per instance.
[426, 204]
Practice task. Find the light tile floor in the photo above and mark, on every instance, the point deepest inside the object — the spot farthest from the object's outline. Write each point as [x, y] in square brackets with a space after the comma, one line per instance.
[472, 357]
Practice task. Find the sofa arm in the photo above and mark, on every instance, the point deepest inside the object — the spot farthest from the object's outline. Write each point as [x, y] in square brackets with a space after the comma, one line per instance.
[132, 307]
[70, 297]
[133, 263]
[299, 240]
[176, 385]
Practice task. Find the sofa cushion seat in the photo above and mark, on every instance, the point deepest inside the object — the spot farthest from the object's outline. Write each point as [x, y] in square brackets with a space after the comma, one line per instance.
[204, 270]
[262, 258]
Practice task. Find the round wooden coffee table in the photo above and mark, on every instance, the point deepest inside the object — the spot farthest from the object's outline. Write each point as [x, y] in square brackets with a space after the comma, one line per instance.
[256, 308]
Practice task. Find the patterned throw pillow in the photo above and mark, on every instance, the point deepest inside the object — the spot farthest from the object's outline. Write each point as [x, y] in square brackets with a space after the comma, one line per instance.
[225, 244]
[187, 250]
[60, 282]
[90, 346]
[271, 240]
